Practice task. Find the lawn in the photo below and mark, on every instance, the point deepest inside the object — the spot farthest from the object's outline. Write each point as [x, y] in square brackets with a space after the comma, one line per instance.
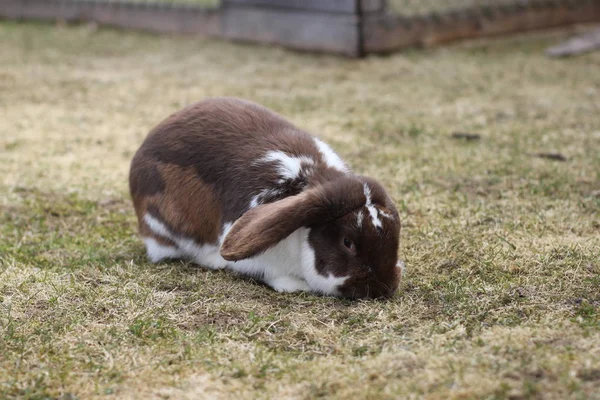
[501, 298]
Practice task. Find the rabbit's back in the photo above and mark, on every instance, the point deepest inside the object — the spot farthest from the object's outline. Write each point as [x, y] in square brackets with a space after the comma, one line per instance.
[209, 163]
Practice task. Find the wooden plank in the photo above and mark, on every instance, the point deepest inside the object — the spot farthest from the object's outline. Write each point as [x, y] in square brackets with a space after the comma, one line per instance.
[153, 18]
[161, 19]
[336, 6]
[386, 33]
[11, 9]
[373, 6]
[308, 30]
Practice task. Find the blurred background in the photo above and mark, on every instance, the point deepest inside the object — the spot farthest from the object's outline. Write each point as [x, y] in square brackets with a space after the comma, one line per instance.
[349, 27]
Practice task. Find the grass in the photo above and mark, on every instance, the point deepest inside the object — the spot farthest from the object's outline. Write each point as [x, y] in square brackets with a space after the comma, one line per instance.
[501, 299]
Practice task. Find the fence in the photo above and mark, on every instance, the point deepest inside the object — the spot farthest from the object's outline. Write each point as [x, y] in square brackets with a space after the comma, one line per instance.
[350, 27]
[427, 22]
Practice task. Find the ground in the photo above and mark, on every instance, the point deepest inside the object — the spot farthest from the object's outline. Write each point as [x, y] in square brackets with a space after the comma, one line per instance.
[501, 298]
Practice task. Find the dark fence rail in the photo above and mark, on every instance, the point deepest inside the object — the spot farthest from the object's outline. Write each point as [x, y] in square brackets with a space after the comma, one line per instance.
[350, 27]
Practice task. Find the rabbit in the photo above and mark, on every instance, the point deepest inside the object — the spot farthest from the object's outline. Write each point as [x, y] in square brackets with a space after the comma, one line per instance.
[227, 183]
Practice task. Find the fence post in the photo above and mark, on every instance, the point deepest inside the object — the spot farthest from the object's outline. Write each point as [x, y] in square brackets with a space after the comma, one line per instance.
[330, 26]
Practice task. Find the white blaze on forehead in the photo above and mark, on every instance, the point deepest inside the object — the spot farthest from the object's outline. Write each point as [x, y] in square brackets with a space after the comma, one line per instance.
[330, 157]
[384, 214]
[371, 208]
[359, 217]
[374, 212]
[289, 166]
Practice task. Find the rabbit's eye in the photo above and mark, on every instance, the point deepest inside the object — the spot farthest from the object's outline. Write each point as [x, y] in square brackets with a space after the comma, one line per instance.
[349, 245]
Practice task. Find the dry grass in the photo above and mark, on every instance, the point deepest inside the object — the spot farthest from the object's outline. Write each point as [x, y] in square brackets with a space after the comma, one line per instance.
[501, 299]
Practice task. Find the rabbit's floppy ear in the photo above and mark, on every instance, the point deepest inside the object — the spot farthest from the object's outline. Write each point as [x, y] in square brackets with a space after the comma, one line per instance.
[266, 225]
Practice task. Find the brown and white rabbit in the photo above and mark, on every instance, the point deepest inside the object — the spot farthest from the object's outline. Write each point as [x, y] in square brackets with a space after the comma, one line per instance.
[227, 183]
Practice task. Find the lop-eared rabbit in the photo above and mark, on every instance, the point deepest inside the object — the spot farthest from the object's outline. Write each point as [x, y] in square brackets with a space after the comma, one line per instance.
[227, 183]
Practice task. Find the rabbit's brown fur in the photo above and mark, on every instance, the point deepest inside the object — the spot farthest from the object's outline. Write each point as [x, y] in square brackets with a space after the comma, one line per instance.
[226, 182]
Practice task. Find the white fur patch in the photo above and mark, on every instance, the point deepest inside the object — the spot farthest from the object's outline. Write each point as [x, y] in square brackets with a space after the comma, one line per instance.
[323, 284]
[224, 231]
[288, 284]
[384, 214]
[157, 252]
[289, 266]
[157, 227]
[258, 199]
[203, 254]
[289, 167]
[280, 261]
[371, 208]
[374, 212]
[330, 157]
[359, 218]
